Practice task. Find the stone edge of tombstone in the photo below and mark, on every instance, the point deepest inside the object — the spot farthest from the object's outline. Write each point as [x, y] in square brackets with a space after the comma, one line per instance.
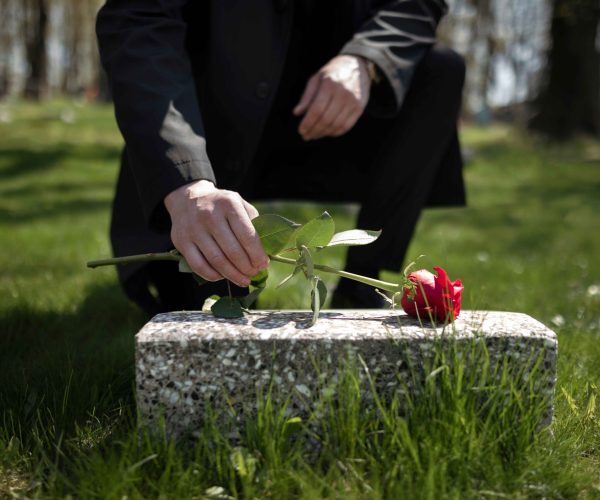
[182, 329]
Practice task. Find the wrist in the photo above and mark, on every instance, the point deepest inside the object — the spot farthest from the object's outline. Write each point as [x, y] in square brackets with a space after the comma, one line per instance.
[186, 192]
[371, 69]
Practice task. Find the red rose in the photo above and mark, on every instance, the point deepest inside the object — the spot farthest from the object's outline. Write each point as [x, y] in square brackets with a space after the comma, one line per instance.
[432, 294]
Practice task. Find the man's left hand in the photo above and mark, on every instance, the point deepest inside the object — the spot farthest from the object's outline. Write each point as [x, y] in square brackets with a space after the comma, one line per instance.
[334, 98]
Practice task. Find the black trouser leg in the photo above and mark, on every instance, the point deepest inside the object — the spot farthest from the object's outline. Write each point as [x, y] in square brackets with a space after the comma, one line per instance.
[408, 160]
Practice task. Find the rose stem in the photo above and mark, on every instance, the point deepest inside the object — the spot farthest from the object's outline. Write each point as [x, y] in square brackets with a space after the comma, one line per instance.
[130, 259]
[384, 285]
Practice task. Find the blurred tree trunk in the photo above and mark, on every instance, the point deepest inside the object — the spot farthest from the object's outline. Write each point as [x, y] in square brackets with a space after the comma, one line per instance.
[484, 32]
[35, 24]
[6, 42]
[75, 24]
[570, 99]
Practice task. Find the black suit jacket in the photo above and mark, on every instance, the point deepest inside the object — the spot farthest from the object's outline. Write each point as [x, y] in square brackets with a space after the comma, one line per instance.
[191, 96]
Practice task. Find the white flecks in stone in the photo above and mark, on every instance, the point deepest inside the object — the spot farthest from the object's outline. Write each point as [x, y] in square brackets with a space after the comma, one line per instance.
[304, 390]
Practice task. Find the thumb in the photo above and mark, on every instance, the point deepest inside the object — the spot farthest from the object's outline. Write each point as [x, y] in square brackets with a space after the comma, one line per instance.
[309, 93]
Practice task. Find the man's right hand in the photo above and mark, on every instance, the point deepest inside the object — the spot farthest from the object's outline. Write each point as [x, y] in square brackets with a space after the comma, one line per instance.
[212, 229]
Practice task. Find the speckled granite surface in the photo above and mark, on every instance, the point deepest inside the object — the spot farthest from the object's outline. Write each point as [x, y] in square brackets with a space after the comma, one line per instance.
[185, 360]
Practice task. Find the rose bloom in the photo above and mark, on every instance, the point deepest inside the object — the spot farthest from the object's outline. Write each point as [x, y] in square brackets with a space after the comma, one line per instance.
[432, 294]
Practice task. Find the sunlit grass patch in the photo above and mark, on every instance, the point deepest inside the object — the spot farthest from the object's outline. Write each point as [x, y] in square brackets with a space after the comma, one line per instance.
[528, 242]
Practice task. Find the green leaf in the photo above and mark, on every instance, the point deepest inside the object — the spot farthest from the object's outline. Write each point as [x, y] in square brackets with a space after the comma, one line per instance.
[322, 292]
[227, 307]
[208, 303]
[306, 259]
[184, 267]
[317, 232]
[274, 232]
[353, 237]
[292, 426]
[259, 280]
[317, 296]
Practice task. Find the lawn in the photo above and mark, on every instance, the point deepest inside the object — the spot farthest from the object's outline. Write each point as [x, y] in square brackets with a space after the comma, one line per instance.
[528, 242]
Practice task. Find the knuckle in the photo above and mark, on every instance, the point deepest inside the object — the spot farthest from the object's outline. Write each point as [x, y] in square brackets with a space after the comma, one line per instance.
[328, 121]
[246, 238]
[231, 196]
[205, 211]
[237, 255]
[216, 259]
[319, 106]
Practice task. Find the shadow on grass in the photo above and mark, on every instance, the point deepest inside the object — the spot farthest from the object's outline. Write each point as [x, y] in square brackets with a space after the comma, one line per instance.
[57, 208]
[21, 161]
[61, 369]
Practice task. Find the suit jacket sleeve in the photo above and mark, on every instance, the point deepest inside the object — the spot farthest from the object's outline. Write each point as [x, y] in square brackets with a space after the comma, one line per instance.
[396, 38]
[142, 49]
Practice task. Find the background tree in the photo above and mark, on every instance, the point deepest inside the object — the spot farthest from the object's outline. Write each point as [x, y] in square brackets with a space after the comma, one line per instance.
[570, 98]
[35, 22]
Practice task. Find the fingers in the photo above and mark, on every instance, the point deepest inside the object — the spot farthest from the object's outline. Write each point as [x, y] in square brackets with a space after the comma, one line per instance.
[333, 112]
[250, 210]
[235, 249]
[199, 264]
[315, 110]
[335, 98]
[333, 119]
[345, 120]
[246, 234]
[220, 262]
[308, 95]
[214, 233]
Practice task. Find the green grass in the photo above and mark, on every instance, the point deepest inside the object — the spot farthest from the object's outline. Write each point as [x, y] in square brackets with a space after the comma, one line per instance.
[528, 242]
